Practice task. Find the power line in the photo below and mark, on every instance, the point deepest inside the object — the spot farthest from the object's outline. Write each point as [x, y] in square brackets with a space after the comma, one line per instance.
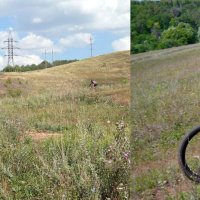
[45, 54]
[10, 49]
[45, 60]
[52, 56]
[33, 48]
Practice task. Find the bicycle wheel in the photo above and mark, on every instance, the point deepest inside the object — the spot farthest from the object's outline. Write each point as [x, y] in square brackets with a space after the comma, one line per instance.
[189, 155]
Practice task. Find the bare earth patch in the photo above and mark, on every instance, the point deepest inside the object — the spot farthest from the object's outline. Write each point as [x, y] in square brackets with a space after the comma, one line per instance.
[40, 136]
[167, 188]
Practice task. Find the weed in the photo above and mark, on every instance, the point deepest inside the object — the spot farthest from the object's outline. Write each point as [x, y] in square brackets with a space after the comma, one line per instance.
[14, 92]
[8, 81]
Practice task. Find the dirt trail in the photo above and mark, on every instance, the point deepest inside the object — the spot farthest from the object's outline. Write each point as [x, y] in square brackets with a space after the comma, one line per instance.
[40, 136]
[163, 190]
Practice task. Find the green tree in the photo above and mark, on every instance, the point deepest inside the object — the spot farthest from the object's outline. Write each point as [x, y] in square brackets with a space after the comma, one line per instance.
[157, 24]
[180, 35]
[156, 30]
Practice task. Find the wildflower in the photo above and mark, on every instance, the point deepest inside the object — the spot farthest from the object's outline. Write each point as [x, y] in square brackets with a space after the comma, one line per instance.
[93, 189]
[120, 125]
[120, 187]
[126, 156]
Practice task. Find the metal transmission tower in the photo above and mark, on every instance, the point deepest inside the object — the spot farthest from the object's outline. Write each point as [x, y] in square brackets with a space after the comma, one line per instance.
[91, 46]
[10, 49]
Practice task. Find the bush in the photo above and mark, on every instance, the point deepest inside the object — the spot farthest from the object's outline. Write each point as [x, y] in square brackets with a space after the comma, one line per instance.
[180, 35]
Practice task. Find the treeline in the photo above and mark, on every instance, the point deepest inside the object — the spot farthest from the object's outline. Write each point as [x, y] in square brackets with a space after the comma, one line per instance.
[42, 65]
[164, 24]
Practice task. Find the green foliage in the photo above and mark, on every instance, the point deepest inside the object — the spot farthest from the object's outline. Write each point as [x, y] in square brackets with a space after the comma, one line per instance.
[163, 24]
[42, 65]
[144, 43]
[182, 34]
[52, 127]
[150, 180]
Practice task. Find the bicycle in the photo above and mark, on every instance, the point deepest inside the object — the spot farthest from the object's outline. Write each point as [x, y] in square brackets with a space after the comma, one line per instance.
[189, 154]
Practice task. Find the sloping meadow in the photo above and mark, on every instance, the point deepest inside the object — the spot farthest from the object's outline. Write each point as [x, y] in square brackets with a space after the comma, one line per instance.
[165, 105]
[87, 155]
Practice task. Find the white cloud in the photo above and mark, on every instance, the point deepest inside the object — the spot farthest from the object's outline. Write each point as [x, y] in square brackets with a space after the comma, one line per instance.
[100, 14]
[4, 36]
[28, 60]
[89, 14]
[36, 41]
[32, 47]
[121, 44]
[37, 20]
[3, 62]
[76, 40]
[38, 44]
[60, 24]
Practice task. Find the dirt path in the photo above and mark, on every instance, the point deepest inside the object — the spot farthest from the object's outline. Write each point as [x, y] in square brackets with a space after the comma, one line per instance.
[168, 188]
[40, 136]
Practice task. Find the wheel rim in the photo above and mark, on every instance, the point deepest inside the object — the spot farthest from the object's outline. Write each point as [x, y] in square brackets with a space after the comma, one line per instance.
[191, 157]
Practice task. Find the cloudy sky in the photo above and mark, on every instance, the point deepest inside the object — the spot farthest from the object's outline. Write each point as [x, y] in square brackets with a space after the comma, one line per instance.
[64, 27]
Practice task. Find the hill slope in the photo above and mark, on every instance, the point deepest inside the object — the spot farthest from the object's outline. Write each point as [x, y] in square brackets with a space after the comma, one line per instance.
[165, 103]
[90, 159]
[111, 72]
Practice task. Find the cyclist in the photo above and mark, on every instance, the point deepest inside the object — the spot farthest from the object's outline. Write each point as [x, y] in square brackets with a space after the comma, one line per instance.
[93, 83]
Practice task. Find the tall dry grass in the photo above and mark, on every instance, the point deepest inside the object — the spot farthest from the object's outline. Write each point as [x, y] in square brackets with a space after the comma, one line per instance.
[165, 105]
[91, 160]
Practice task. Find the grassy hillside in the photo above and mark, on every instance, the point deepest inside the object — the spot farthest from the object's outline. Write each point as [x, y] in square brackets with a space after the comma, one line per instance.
[165, 105]
[60, 139]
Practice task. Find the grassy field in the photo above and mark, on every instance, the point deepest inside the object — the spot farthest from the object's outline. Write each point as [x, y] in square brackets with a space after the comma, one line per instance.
[60, 139]
[165, 105]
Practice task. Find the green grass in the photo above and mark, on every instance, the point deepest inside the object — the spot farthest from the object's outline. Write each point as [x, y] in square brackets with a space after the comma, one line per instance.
[165, 105]
[90, 160]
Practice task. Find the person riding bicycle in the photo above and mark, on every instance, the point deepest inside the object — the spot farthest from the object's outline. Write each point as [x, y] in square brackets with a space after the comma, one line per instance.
[93, 83]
